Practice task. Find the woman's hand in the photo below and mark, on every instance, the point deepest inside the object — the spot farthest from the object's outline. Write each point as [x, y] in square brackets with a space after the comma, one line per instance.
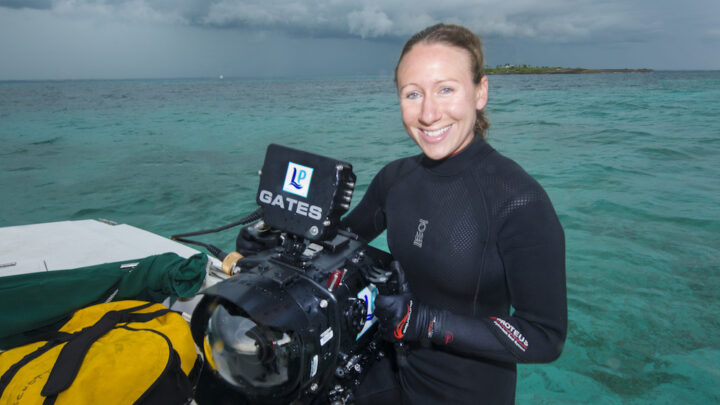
[398, 315]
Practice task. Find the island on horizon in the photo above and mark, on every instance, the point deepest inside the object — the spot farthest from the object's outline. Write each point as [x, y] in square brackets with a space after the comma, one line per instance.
[529, 70]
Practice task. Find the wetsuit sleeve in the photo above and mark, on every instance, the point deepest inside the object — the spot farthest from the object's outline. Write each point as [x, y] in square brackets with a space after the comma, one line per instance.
[532, 246]
[367, 219]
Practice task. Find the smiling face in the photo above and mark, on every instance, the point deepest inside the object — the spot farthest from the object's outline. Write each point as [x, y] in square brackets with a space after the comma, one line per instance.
[438, 98]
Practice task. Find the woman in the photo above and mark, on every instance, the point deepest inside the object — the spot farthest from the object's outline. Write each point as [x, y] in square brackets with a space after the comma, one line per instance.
[474, 233]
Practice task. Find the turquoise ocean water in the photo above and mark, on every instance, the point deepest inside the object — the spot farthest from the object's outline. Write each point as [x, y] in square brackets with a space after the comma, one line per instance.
[631, 162]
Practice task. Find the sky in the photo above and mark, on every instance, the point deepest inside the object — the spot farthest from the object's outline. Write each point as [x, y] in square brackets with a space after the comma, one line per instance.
[118, 39]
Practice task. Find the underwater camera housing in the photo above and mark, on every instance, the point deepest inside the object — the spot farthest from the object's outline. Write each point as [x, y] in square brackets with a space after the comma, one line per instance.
[295, 323]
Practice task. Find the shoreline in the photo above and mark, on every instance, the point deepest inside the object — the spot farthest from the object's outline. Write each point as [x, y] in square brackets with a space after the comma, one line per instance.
[558, 70]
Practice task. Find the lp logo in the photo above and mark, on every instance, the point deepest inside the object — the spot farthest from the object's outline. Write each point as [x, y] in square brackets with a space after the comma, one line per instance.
[297, 179]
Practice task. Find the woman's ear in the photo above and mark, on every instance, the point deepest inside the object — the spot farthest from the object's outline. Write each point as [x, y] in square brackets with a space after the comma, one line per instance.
[481, 93]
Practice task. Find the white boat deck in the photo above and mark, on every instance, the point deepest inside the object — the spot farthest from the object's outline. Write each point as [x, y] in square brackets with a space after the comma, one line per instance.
[72, 244]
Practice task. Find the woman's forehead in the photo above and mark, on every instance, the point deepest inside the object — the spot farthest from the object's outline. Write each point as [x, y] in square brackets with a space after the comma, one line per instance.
[434, 62]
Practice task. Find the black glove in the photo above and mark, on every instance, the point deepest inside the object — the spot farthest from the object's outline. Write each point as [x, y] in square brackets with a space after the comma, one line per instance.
[398, 315]
[401, 317]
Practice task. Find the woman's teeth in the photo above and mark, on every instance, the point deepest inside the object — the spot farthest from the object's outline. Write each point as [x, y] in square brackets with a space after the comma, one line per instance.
[437, 132]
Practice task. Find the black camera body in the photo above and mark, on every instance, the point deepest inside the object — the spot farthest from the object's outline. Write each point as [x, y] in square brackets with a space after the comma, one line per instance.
[295, 323]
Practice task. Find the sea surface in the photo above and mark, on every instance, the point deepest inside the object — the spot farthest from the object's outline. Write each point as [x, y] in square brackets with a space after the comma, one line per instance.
[630, 161]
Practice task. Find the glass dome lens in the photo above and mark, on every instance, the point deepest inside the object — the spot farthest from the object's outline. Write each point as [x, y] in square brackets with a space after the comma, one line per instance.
[248, 354]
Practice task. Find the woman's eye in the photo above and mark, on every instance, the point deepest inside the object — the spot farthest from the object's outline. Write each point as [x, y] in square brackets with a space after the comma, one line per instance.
[412, 95]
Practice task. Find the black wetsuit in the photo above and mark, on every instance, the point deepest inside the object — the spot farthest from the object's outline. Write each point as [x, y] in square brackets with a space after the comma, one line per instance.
[476, 235]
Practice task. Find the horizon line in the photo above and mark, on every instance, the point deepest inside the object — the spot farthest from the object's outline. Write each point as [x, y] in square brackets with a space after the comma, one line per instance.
[285, 77]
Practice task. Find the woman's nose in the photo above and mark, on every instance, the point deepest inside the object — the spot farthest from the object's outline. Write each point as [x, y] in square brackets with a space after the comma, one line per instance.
[429, 113]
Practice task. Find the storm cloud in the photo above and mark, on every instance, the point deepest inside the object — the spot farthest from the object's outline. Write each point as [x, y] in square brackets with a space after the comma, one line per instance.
[36, 4]
[161, 38]
[549, 20]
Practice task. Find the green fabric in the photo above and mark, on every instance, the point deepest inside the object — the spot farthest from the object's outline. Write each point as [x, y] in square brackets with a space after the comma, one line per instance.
[31, 302]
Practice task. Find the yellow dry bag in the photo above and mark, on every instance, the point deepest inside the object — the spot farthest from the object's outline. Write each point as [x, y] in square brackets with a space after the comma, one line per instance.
[125, 352]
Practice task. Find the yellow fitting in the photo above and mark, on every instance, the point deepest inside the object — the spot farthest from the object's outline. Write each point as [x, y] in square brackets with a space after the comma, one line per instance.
[208, 352]
[229, 263]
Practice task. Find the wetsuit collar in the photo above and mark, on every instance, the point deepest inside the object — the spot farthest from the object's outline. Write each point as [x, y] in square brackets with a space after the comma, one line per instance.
[459, 162]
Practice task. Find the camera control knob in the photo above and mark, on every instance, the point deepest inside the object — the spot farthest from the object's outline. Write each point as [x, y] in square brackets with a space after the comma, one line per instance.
[356, 315]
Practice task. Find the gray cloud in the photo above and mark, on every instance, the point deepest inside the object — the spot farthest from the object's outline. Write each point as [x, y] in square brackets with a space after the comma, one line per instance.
[191, 38]
[369, 22]
[548, 20]
[36, 4]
